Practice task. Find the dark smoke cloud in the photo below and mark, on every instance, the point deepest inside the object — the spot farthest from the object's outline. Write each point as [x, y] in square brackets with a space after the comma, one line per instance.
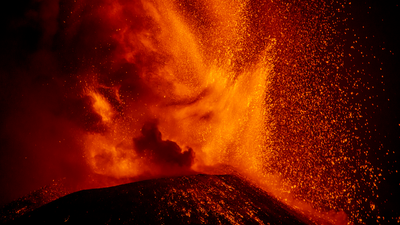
[164, 154]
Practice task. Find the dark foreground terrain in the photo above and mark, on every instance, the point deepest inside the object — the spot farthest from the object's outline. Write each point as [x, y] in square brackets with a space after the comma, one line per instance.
[197, 199]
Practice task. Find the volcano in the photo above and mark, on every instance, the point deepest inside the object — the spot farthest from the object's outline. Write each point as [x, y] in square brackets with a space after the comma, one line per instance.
[195, 199]
[300, 97]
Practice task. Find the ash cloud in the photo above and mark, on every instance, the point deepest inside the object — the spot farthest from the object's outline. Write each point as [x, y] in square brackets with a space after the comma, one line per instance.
[165, 154]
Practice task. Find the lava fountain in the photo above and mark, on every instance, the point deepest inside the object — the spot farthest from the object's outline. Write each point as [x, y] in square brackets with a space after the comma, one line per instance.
[156, 88]
[197, 92]
[209, 80]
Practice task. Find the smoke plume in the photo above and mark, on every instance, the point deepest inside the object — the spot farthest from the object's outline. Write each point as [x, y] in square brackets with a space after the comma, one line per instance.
[164, 153]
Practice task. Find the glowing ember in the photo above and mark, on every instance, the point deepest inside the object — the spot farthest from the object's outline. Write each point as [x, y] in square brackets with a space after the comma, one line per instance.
[146, 89]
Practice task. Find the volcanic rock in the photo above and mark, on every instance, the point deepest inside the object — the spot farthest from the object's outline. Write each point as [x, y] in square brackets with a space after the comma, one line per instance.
[196, 199]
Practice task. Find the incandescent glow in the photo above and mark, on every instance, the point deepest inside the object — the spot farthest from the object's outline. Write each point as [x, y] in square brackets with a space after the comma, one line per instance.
[102, 107]
[232, 84]
[201, 96]
[285, 93]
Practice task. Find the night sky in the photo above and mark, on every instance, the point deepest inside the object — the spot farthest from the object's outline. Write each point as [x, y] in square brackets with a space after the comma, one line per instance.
[43, 114]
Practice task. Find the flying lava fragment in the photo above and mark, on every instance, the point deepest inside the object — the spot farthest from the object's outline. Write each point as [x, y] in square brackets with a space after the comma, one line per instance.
[285, 93]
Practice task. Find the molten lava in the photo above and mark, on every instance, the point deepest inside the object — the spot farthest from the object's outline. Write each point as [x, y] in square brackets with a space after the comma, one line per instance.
[154, 88]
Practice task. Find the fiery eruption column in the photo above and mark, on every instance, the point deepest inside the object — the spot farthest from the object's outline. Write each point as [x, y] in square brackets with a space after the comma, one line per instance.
[155, 88]
[198, 89]
[221, 80]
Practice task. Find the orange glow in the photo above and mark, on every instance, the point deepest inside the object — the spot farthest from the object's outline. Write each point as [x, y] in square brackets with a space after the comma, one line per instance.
[223, 84]
[199, 100]
[298, 97]
[102, 107]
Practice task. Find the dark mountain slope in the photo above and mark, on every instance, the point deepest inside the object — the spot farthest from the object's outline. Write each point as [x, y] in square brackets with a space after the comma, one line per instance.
[198, 199]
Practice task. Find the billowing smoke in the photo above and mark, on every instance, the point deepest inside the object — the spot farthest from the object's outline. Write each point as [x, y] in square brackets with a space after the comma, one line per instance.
[164, 154]
[257, 85]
